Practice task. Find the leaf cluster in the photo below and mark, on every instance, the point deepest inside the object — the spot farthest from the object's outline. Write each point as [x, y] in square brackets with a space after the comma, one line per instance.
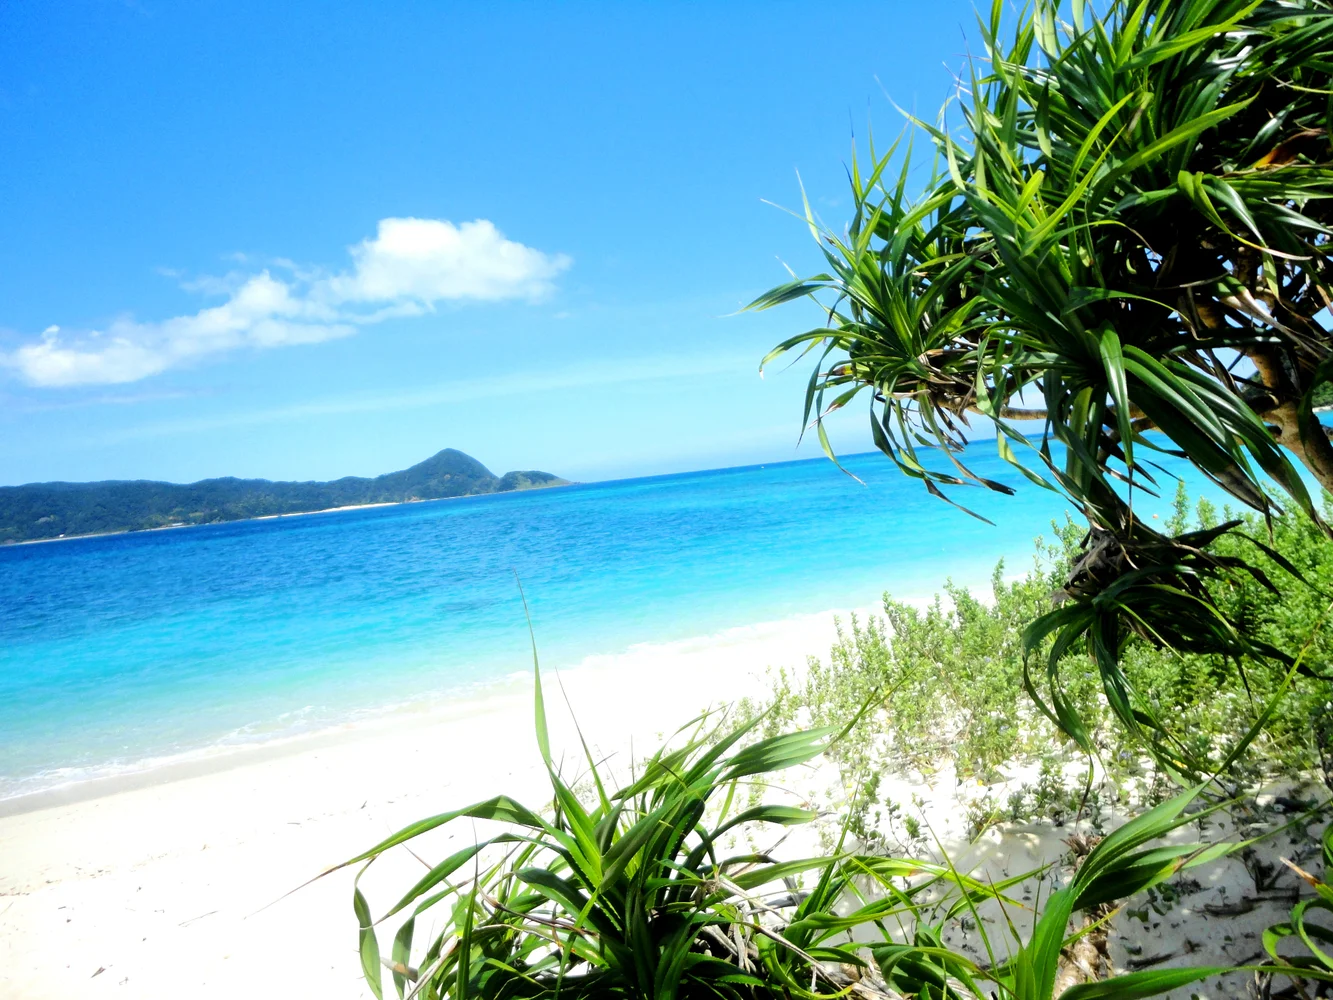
[632, 895]
[1125, 239]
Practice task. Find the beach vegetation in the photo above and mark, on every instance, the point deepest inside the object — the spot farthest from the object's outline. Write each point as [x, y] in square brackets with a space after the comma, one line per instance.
[640, 891]
[947, 687]
[1122, 250]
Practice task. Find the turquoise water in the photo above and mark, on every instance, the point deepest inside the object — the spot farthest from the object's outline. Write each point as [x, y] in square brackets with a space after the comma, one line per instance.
[119, 650]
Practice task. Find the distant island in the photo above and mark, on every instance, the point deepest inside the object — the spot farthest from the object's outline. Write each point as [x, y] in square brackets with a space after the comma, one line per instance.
[40, 511]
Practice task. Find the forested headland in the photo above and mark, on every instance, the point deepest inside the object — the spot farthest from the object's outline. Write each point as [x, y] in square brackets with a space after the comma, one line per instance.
[53, 510]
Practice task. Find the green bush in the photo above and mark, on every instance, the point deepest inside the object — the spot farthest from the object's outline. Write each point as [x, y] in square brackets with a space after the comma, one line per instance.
[947, 680]
[1208, 701]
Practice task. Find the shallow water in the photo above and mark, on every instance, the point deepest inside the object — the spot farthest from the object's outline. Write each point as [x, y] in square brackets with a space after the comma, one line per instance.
[130, 648]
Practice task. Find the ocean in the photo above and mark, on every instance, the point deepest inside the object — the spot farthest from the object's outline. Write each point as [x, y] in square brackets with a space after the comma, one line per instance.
[121, 652]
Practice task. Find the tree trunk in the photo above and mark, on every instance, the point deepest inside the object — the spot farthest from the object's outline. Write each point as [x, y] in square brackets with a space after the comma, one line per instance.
[1087, 959]
[1315, 453]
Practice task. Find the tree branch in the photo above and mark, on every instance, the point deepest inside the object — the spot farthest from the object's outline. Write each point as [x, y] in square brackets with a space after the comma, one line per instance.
[1013, 413]
[1316, 452]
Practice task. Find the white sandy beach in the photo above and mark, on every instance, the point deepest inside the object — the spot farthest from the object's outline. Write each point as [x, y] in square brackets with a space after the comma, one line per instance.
[162, 885]
[172, 884]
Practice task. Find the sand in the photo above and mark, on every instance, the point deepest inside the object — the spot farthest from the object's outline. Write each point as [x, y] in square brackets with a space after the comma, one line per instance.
[169, 885]
[173, 884]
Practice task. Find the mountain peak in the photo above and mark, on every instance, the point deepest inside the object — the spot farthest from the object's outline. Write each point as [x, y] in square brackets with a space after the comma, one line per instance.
[448, 461]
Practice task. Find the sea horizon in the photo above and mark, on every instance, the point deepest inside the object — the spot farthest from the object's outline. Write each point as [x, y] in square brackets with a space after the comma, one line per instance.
[129, 652]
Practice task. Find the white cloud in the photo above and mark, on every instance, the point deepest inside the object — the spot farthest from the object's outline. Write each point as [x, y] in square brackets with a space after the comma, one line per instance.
[405, 270]
[426, 260]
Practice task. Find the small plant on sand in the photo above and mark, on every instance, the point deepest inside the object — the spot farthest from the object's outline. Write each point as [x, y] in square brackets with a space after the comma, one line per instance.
[630, 893]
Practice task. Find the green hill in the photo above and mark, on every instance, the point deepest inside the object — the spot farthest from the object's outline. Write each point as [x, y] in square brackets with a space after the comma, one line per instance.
[54, 510]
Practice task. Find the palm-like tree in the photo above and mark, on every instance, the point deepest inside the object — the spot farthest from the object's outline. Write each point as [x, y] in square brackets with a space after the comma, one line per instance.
[1127, 232]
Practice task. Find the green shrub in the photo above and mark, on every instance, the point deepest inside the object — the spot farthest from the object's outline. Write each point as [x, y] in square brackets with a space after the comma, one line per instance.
[948, 679]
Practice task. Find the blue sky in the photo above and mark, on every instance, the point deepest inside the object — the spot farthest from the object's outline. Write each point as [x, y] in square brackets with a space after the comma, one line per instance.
[311, 240]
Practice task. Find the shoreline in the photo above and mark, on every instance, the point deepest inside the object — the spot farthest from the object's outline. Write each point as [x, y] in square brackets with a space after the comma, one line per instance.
[273, 517]
[177, 882]
[212, 760]
[811, 632]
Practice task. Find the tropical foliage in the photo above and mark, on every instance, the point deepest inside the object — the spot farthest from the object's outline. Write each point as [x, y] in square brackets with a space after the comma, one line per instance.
[1124, 243]
[1126, 239]
[945, 683]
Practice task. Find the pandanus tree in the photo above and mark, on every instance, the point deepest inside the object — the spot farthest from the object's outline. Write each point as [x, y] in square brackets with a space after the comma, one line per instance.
[1124, 243]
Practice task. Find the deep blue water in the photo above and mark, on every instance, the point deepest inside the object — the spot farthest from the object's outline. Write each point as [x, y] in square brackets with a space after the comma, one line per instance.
[121, 649]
